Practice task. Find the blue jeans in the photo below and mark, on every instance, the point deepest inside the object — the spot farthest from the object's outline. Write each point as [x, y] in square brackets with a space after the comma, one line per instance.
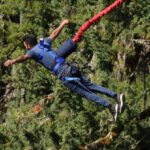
[84, 87]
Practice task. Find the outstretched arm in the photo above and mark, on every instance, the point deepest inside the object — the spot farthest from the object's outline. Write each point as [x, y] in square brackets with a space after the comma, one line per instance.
[56, 32]
[10, 62]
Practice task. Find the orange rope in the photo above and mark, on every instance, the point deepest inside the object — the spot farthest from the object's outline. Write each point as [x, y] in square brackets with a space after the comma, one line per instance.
[94, 19]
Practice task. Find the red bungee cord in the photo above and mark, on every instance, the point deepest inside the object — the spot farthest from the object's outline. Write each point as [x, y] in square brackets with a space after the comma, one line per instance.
[94, 19]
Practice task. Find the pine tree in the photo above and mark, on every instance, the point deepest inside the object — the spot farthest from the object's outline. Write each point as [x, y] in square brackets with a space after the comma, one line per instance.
[66, 121]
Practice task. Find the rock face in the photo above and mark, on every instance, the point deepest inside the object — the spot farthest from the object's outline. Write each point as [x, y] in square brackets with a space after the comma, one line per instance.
[126, 66]
[139, 61]
[119, 69]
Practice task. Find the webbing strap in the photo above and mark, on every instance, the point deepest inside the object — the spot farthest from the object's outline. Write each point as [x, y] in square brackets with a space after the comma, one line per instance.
[59, 61]
[41, 52]
[71, 79]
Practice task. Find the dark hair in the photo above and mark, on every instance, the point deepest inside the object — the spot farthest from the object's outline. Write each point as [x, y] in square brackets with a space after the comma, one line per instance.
[30, 39]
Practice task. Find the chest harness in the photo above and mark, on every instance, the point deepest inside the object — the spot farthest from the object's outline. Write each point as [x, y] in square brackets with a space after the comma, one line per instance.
[64, 51]
[57, 61]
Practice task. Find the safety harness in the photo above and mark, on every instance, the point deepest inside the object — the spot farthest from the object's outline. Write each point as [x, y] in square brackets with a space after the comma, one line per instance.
[58, 60]
[64, 51]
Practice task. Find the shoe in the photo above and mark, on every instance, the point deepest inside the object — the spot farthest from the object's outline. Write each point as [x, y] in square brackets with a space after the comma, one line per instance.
[120, 100]
[114, 111]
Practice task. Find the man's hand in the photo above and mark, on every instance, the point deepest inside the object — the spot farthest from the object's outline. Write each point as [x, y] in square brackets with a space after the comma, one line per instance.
[65, 21]
[9, 63]
[56, 32]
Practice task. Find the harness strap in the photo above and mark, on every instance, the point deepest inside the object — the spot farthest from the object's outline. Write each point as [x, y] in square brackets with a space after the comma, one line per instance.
[59, 61]
[71, 79]
[41, 52]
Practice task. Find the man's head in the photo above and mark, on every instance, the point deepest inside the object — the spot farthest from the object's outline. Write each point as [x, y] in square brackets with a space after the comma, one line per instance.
[29, 41]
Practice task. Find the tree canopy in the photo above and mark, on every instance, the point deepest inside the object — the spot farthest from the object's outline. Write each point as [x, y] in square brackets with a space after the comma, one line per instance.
[37, 112]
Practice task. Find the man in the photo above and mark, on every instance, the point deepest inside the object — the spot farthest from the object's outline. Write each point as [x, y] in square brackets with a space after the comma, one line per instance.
[69, 75]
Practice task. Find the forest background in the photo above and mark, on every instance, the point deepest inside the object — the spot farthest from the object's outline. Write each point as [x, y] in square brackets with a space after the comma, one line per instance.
[37, 112]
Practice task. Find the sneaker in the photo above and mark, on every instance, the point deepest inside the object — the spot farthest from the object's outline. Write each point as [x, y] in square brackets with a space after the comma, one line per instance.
[120, 100]
[114, 111]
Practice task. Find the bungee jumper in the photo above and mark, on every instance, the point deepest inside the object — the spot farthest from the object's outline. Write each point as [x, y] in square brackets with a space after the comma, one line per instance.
[67, 73]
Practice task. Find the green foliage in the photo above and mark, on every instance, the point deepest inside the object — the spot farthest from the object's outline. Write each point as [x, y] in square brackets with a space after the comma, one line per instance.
[69, 121]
